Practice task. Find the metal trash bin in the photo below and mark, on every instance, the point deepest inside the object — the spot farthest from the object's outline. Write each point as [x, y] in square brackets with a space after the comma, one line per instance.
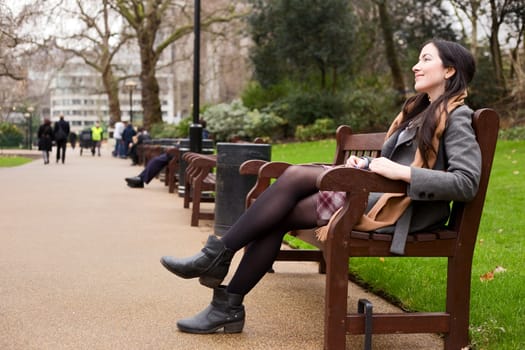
[184, 146]
[231, 187]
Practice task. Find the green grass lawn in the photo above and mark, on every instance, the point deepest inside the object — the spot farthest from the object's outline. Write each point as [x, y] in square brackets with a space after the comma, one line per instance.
[498, 305]
[8, 161]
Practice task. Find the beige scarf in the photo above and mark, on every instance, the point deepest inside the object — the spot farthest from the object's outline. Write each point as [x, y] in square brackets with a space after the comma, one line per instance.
[390, 206]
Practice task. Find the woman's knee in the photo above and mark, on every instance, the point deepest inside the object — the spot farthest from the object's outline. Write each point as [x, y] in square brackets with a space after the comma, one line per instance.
[292, 171]
[301, 173]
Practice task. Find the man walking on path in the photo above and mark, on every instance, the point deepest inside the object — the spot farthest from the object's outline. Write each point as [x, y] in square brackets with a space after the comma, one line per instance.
[61, 132]
[117, 135]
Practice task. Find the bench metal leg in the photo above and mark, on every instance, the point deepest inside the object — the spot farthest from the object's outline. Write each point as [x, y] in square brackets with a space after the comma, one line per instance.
[365, 306]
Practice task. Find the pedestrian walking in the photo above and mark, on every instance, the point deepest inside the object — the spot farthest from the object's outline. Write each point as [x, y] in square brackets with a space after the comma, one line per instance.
[45, 139]
[61, 132]
[96, 138]
[73, 139]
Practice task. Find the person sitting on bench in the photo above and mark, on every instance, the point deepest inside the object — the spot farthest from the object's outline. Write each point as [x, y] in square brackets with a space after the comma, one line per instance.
[432, 121]
[152, 169]
[155, 165]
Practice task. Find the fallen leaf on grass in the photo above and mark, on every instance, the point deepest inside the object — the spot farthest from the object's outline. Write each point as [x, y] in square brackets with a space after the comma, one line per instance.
[489, 276]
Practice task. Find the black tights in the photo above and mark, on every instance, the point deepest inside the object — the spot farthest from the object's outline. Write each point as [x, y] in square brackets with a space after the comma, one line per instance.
[290, 203]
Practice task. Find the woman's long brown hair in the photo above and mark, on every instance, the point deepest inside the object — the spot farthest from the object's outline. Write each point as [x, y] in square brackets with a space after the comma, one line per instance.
[452, 55]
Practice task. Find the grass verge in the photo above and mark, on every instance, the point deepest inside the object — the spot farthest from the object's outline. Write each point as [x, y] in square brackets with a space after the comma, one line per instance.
[8, 161]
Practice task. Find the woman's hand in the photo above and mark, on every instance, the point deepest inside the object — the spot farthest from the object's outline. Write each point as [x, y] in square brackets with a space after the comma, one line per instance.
[389, 169]
[357, 162]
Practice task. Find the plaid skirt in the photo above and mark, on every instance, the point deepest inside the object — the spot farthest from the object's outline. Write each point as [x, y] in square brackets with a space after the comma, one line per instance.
[328, 202]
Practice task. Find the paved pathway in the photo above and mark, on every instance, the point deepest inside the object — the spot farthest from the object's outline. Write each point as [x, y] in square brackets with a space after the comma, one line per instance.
[79, 269]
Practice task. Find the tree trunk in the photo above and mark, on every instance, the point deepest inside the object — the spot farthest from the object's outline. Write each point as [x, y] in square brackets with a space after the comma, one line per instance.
[112, 90]
[390, 50]
[495, 48]
[150, 96]
[150, 86]
[334, 80]
[474, 5]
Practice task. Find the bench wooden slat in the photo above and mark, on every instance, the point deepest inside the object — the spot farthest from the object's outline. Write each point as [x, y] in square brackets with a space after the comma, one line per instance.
[429, 322]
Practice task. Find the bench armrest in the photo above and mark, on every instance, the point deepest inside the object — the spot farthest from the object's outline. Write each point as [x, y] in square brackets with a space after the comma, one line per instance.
[273, 170]
[358, 180]
[204, 162]
[266, 171]
[251, 167]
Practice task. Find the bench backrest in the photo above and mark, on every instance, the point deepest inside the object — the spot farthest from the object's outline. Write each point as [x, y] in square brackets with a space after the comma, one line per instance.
[465, 217]
[348, 143]
[486, 125]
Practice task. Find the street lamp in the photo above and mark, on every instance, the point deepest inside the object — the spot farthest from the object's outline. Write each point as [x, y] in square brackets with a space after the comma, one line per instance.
[196, 127]
[28, 116]
[30, 109]
[130, 85]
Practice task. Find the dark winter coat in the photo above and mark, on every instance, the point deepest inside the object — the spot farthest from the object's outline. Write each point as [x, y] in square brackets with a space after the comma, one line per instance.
[64, 125]
[128, 133]
[45, 137]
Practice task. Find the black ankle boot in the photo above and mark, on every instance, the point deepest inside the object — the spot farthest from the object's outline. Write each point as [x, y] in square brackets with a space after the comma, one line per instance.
[225, 311]
[211, 264]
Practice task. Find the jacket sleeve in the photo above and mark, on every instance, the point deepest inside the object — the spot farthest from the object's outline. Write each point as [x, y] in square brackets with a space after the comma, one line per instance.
[458, 179]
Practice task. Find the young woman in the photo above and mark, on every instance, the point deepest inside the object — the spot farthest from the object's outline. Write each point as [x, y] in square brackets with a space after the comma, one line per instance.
[431, 145]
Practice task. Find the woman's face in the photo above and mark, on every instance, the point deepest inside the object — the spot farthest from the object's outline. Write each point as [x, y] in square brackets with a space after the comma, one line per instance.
[429, 74]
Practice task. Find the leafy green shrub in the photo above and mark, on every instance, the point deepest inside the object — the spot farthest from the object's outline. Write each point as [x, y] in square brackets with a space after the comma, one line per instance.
[320, 129]
[232, 121]
[304, 108]
[10, 135]
[370, 106]
[163, 130]
[264, 125]
[255, 96]
[516, 133]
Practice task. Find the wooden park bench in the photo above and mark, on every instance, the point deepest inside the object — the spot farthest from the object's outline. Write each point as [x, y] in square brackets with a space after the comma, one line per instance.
[172, 170]
[148, 151]
[199, 178]
[456, 241]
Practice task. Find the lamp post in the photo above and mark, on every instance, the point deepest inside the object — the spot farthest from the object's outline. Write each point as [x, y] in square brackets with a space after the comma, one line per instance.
[130, 85]
[27, 116]
[196, 127]
[30, 110]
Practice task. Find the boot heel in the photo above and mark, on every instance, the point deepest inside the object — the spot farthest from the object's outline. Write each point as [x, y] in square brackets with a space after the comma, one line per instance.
[210, 282]
[235, 327]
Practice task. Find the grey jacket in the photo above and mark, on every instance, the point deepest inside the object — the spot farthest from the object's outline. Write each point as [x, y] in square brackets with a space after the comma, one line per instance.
[455, 176]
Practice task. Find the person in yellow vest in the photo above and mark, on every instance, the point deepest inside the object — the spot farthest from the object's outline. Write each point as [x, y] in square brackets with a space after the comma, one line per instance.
[96, 138]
